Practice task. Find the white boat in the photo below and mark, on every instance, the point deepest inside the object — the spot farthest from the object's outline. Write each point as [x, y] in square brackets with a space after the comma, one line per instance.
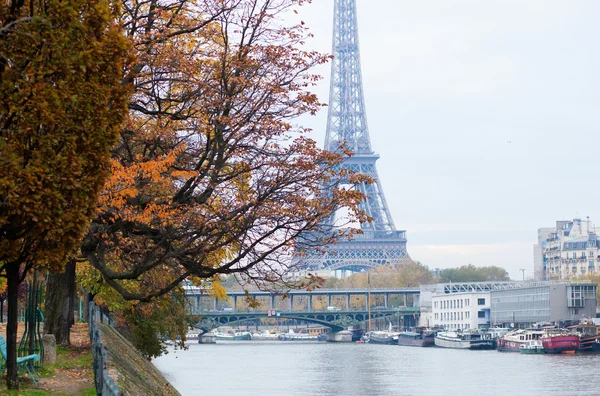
[470, 340]
[266, 336]
[234, 336]
[382, 337]
[192, 336]
[291, 336]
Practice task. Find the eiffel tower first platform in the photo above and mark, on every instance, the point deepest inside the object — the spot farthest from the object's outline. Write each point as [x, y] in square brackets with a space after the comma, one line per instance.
[380, 242]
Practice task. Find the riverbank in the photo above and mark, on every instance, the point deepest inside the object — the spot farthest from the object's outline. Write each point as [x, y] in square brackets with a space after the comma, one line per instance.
[134, 374]
[72, 374]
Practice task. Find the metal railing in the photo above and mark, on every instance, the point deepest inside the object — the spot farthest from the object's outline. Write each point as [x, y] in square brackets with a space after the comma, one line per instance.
[104, 384]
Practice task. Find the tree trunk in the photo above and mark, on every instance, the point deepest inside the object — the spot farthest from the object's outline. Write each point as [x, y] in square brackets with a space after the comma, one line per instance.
[59, 305]
[12, 278]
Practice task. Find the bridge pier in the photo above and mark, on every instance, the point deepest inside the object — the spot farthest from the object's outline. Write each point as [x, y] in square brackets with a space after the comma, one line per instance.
[347, 301]
[385, 301]
[329, 300]
[234, 303]
[291, 303]
[310, 302]
[272, 302]
[367, 301]
[339, 336]
[405, 299]
[215, 303]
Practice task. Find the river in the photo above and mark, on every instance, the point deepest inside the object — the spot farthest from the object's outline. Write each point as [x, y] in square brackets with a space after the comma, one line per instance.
[259, 368]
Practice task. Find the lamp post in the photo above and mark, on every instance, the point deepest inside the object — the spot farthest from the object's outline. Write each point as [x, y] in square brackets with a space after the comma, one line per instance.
[369, 300]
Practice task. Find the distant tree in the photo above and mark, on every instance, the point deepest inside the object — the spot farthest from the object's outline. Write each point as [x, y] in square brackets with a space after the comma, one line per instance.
[470, 273]
[408, 274]
[493, 273]
[61, 103]
[414, 273]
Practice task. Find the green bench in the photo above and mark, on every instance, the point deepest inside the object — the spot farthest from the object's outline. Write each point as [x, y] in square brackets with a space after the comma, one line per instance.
[25, 362]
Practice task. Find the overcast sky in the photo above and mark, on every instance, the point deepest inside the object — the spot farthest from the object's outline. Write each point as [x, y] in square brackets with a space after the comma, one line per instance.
[485, 114]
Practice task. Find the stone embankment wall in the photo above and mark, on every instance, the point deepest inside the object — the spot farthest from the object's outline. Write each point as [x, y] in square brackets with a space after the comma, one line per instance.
[134, 374]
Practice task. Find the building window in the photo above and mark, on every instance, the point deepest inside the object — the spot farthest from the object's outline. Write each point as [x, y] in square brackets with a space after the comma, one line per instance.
[461, 303]
[481, 314]
[481, 301]
[461, 316]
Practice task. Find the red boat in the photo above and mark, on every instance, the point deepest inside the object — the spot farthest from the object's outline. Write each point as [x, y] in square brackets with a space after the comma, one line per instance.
[559, 341]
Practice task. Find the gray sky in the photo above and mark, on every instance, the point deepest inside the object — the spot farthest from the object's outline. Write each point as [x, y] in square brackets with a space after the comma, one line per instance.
[485, 114]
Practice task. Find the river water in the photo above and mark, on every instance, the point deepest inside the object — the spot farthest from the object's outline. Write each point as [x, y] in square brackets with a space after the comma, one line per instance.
[259, 368]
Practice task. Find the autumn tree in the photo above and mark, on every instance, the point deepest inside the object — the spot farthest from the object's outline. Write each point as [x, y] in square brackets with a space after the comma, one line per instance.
[61, 102]
[471, 273]
[210, 174]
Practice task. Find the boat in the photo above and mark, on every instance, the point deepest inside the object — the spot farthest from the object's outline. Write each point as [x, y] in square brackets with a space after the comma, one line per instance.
[382, 337]
[511, 342]
[420, 338]
[589, 336]
[560, 341]
[192, 336]
[291, 336]
[532, 347]
[266, 336]
[234, 336]
[467, 340]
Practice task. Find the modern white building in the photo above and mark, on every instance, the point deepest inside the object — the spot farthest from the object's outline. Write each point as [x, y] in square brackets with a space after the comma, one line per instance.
[458, 311]
[567, 251]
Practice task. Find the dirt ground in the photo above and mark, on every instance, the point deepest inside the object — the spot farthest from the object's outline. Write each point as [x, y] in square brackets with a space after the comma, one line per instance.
[72, 374]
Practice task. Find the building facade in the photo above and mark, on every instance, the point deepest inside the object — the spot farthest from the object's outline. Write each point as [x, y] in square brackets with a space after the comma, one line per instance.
[459, 311]
[567, 251]
[546, 302]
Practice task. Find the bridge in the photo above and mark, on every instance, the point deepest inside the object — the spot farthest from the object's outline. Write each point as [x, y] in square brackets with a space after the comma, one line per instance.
[285, 306]
[336, 320]
[195, 295]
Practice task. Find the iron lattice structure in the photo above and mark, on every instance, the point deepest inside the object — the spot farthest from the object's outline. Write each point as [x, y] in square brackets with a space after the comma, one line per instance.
[380, 242]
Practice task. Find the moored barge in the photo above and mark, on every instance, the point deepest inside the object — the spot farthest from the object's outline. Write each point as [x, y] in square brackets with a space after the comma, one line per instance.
[560, 341]
[452, 339]
[422, 338]
[511, 342]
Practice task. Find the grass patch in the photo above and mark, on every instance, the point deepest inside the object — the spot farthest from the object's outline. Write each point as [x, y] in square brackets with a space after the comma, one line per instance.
[89, 391]
[72, 358]
[32, 392]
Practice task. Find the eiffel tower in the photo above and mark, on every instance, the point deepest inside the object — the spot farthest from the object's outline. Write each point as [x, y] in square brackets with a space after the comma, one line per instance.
[380, 242]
